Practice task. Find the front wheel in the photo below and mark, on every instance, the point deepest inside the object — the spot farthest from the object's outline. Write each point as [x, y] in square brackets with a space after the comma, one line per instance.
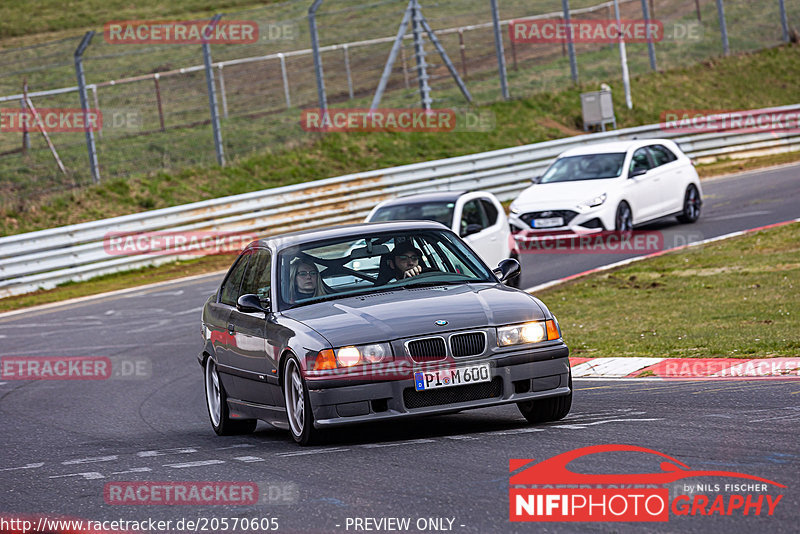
[546, 410]
[691, 206]
[298, 405]
[623, 221]
[217, 403]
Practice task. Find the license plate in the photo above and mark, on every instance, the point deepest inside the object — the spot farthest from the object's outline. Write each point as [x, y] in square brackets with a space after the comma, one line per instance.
[552, 222]
[445, 378]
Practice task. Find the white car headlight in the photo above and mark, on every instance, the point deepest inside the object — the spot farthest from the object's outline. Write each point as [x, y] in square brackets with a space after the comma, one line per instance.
[374, 353]
[592, 203]
[348, 356]
[532, 332]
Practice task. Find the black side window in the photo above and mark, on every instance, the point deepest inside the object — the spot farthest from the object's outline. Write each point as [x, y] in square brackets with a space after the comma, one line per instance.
[259, 275]
[490, 210]
[640, 160]
[472, 214]
[661, 155]
[229, 293]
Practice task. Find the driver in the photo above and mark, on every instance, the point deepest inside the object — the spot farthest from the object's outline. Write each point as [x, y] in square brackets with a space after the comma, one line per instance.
[404, 261]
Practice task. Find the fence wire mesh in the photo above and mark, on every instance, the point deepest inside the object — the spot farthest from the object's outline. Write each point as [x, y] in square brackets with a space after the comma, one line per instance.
[155, 103]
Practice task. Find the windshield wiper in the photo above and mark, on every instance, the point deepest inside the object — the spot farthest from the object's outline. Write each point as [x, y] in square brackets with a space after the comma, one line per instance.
[336, 296]
[429, 283]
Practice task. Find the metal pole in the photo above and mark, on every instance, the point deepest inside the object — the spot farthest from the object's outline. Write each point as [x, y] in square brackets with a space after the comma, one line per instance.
[212, 95]
[96, 106]
[39, 124]
[514, 54]
[347, 70]
[405, 65]
[85, 104]
[573, 63]
[651, 49]
[285, 77]
[723, 28]
[784, 21]
[419, 52]
[158, 102]
[498, 47]
[462, 47]
[312, 23]
[445, 58]
[697, 8]
[398, 45]
[623, 58]
[26, 137]
[222, 92]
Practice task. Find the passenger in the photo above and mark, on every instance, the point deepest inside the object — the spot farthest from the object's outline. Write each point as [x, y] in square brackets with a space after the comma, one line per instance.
[306, 281]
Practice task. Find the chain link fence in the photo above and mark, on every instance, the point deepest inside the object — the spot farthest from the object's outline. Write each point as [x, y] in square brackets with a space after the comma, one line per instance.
[155, 104]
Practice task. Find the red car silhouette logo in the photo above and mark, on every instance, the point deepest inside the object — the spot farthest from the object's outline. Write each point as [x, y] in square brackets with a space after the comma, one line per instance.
[554, 470]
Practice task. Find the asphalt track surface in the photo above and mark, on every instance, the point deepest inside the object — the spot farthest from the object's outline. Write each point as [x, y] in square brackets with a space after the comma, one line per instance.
[63, 441]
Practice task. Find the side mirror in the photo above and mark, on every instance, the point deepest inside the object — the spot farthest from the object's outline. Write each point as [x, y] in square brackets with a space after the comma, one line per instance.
[637, 172]
[250, 303]
[471, 229]
[506, 269]
[536, 179]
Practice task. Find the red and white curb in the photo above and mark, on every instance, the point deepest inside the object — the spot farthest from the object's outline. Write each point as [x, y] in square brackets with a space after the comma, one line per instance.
[703, 368]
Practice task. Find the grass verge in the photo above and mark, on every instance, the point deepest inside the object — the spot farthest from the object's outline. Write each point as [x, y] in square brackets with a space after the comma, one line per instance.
[725, 83]
[734, 298]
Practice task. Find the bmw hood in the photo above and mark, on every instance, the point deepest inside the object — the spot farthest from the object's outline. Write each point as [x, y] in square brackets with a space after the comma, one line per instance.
[414, 312]
[561, 195]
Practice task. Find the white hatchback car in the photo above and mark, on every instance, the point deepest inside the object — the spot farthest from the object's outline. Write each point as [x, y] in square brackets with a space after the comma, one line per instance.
[477, 216]
[610, 186]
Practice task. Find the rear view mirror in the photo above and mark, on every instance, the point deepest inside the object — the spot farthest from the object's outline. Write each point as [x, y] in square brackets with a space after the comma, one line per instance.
[637, 172]
[536, 179]
[506, 269]
[250, 303]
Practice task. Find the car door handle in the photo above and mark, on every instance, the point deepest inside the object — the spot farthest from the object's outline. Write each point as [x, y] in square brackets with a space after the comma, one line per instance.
[231, 328]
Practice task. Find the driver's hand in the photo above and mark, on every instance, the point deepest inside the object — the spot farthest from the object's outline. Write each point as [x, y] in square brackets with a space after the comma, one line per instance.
[414, 271]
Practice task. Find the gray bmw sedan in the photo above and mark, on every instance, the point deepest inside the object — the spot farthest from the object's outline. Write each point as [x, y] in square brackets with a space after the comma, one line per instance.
[375, 321]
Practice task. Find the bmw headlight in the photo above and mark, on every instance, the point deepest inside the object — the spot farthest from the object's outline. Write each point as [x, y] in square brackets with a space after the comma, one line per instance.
[532, 332]
[373, 353]
[592, 203]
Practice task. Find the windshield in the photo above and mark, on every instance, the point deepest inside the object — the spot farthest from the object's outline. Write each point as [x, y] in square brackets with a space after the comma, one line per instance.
[586, 167]
[352, 266]
[427, 211]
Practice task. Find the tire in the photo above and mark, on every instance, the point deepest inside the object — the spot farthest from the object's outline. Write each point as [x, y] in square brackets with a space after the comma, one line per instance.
[546, 410]
[623, 220]
[217, 404]
[514, 281]
[298, 405]
[691, 206]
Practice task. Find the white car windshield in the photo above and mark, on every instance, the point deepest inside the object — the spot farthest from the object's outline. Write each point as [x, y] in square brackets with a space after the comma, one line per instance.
[585, 167]
[350, 266]
[429, 211]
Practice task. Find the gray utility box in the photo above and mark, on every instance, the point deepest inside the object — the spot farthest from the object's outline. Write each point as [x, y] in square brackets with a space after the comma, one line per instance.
[598, 110]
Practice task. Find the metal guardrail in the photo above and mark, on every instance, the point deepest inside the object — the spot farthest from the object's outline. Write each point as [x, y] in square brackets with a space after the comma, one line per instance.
[46, 258]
